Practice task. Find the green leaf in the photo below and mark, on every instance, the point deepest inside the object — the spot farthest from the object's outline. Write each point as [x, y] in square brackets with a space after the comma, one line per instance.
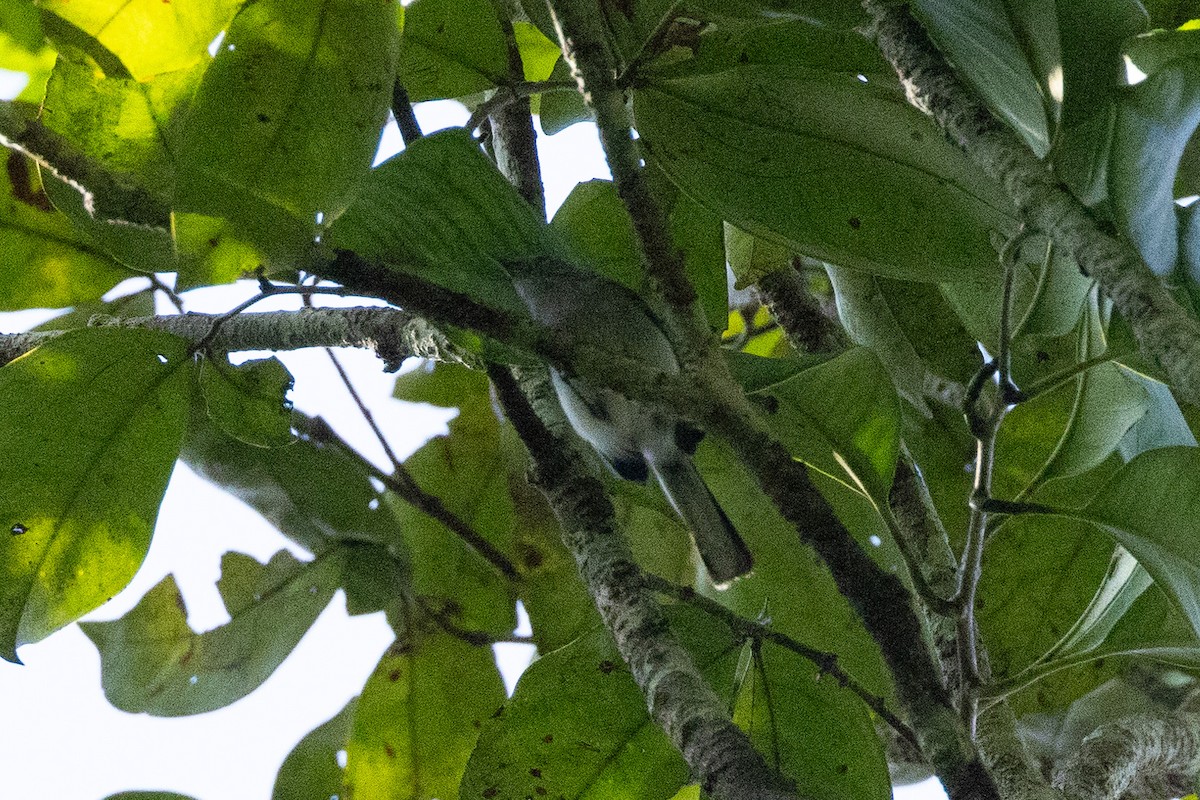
[91, 426]
[1058, 297]
[311, 769]
[1163, 424]
[752, 258]
[152, 662]
[44, 263]
[148, 36]
[1155, 119]
[23, 47]
[596, 229]
[864, 184]
[534, 746]
[147, 796]
[855, 440]
[249, 401]
[1092, 35]
[1041, 575]
[286, 122]
[790, 584]
[1151, 507]
[1069, 430]
[1124, 583]
[910, 328]
[559, 110]
[821, 735]
[978, 37]
[440, 209]
[313, 491]
[539, 54]
[462, 469]
[418, 718]
[451, 48]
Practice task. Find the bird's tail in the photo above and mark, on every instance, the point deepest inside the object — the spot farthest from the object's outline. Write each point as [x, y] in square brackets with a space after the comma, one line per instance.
[724, 553]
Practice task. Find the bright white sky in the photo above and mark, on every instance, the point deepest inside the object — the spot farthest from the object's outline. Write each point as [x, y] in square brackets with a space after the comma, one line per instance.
[62, 741]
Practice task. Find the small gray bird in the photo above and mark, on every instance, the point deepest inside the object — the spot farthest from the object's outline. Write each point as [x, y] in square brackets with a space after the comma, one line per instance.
[634, 438]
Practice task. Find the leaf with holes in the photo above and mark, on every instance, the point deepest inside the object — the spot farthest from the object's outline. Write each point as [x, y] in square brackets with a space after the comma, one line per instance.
[152, 662]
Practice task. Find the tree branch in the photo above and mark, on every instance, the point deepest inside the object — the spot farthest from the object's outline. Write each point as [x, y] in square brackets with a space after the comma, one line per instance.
[1164, 329]
[804, 324]
[394, 335]
[581, 31]
[1148, 755]
[679, 699]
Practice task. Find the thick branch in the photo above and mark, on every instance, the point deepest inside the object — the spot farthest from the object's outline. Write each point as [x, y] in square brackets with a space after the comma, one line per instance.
[799, 314]
[581, 31]
[394, 335]
[1164, 330]
[1148, 755]
[679, 699]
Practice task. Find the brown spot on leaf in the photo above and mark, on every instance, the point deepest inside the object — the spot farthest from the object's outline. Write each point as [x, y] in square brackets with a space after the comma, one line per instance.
[491, 791]
[387, 748]
[535, 772]
[855, 223]
[607, 666]
[548, 738]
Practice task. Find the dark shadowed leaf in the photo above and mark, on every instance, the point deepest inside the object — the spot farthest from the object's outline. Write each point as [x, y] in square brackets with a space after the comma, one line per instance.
[249, 401]
[442, 210]
[546, 740]
[152, 662]
[91, 428]
[312, 768]
[559, 110]
[418, 718]
[842, 168]
[1152, 508]
[813, 730]
[313, 491]
[980, 40]
[1155, 119]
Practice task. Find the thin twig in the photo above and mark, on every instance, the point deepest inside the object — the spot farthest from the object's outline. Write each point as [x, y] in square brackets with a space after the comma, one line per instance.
[406, 118]
[411, 492]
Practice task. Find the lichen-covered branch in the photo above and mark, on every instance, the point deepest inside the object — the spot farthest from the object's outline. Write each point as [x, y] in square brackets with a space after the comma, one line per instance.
[1164, 330]
[799, 314]
[393, 334]
[581, 31]
[1148, 755]
[679, 699]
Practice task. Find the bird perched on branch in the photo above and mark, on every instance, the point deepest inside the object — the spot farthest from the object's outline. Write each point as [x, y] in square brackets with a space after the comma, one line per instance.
[635, 438]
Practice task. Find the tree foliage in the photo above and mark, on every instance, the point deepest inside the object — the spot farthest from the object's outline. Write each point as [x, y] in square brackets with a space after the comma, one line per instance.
[954, 420]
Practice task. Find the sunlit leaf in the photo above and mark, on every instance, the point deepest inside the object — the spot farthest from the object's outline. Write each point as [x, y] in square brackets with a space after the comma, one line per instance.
[249, 401]
[418, 717]
[147, 796]
[91, 426]
[149, 36]
[152, 662]
[464, 471]
[43, 261]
